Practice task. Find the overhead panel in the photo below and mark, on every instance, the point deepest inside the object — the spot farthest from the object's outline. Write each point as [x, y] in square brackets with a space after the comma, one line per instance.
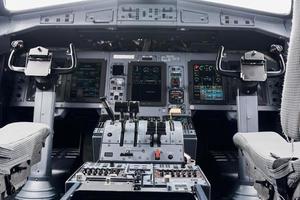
[66, 18]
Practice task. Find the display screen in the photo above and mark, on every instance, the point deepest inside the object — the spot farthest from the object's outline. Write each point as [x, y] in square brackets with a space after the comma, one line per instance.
[118, 70]
[86, 82]
[147, 82]
[207, 84]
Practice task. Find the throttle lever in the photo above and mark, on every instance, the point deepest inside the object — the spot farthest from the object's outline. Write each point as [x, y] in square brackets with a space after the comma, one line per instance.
[108, 109]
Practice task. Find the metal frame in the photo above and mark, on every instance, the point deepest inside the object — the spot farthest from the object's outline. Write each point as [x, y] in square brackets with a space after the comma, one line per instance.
[38, 184]
[247, 109]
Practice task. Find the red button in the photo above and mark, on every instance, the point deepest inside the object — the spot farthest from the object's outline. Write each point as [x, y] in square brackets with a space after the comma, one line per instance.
[157, 154]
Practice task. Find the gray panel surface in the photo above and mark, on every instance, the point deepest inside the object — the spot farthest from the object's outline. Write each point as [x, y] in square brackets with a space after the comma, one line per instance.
[124, 13]
[172, 144]
[172, 59]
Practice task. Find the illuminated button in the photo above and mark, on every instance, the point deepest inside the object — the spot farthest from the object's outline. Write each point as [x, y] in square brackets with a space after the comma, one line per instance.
[120, 82]
[196, 67]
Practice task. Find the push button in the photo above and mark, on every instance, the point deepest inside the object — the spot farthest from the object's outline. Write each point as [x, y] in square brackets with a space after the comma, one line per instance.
[157, 154]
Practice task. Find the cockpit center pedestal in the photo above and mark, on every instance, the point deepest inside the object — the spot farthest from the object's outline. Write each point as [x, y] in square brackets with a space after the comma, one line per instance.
[138, 158]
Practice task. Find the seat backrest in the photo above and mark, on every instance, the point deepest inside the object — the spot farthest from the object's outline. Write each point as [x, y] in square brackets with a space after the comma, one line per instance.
[290, 107]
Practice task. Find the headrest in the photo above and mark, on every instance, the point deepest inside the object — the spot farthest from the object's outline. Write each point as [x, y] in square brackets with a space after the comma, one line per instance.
[290, 107]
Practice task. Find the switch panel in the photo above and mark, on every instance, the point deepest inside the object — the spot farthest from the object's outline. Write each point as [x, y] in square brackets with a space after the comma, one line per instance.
[67, 18]
[275, 87]
[147, 12]
[176, 76]
[167, 142]
[175, 181]
[176, 96]
[20, 85]
[176, 92]
[117, 83]
[236, 20]
[117, 89]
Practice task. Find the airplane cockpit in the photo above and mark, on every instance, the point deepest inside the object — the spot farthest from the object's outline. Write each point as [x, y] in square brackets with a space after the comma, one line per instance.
[143, 99]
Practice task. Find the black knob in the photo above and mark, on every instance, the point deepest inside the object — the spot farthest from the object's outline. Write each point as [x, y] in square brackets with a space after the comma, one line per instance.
[134, 106]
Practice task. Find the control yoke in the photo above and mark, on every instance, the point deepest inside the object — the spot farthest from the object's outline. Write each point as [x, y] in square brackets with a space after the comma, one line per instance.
[39, 60]
[253, 65]
[39, 65]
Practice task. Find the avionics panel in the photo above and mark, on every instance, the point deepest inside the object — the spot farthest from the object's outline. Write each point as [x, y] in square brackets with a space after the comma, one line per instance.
[178, 78]
[147, 83]
[87, 83]
[205, 84]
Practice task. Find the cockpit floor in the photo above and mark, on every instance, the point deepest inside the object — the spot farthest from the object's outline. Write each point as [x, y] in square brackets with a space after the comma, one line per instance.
[221, 169]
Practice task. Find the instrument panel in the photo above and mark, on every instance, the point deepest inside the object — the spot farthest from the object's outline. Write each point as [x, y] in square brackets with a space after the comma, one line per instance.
[147, 12]
[206, 86]
[159, 80]
[87, 83]
[136, 181]
[147, 83]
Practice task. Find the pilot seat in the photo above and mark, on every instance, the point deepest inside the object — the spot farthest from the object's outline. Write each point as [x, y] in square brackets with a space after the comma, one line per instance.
[273, 160]
[20, 148]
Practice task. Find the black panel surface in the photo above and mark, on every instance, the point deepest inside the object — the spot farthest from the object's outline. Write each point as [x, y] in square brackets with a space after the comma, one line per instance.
[87, 83]
[93, 195]
[147, 83]
[205, 84]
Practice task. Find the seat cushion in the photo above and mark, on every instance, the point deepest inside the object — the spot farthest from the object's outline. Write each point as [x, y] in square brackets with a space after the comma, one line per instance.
[21, 142]
[15, 132]
[263, 148]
